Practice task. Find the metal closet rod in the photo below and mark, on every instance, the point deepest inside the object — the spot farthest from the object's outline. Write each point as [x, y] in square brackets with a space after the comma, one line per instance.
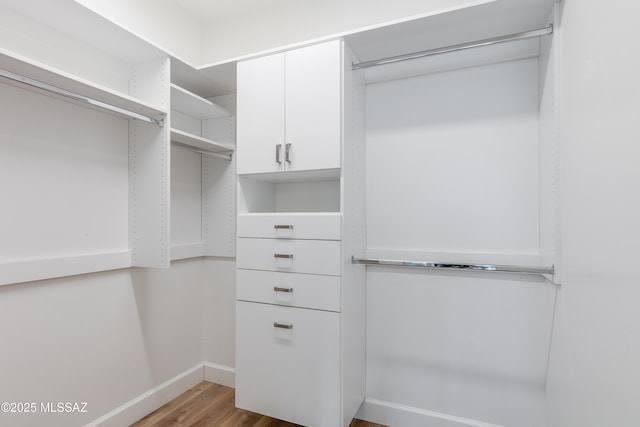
[456, 47]
[79, 98]
[206, 153]
[458, 267]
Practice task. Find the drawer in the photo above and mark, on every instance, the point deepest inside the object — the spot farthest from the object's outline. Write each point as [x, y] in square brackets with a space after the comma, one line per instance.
[290, 374]
[295, 256]
[292, 289]
[293, 226]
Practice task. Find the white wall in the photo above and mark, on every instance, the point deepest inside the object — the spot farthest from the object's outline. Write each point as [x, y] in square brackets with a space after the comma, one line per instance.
[219, 316]
[47, 210]
[594, 369]
[453, 161]
[108, 338]
[104, 339]
[201, 40]
[453, 175]
[291, 22]
[132, 337]
[161, 22]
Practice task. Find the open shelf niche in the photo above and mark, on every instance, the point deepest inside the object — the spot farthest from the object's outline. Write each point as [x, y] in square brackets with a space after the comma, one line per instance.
[203, 171]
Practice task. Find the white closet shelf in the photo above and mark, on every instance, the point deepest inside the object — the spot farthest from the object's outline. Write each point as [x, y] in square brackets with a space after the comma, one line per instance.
[43, 73]
[296, 176]
[289, 214]
[195, 106]
[186, 251]
[199, 142]
[469, 22]
[50, 268]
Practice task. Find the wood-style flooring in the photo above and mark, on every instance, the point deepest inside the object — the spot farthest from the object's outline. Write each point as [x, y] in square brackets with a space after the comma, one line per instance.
[209, 405]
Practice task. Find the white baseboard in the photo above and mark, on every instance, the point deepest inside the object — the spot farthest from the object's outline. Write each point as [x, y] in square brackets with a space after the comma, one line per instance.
[148, 402]
[220, 374]
[393, 414]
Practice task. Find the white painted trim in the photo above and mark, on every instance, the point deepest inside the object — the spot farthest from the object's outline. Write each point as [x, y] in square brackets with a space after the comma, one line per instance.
[148, 402]
[50, 268]
[388, 413]
[220, 374]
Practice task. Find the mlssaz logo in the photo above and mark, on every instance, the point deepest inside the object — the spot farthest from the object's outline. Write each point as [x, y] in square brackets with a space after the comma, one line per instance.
[63, 407]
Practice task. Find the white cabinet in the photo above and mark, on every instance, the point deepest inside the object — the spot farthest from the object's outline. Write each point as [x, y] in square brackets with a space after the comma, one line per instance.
[300, 335]
[289, 363]
[289, 110]
[288, 293]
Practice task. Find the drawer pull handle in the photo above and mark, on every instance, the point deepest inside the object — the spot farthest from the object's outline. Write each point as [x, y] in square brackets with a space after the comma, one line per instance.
[282, 325]
[277, 289]
[283, 227]
[285, 256]
[287, 153]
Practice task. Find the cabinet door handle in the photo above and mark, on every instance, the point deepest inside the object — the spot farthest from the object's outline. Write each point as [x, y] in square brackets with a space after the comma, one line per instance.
[282, 325]
[287, 153]
[283, 227]
[277, 289]
[285, 256]
[278, 150]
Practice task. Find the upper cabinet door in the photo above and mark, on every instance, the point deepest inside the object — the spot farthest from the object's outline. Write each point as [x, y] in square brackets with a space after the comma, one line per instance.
[260, 115]
[313, 106]
[289, 110]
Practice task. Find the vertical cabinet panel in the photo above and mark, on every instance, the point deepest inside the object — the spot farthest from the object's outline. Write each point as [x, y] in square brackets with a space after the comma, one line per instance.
[149, 172]
[261, 119]
[149, 189]
[313, 100]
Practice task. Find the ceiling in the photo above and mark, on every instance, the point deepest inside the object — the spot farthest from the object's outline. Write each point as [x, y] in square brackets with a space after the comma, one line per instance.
[216, 10]
[209, 11]
[485, 19]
